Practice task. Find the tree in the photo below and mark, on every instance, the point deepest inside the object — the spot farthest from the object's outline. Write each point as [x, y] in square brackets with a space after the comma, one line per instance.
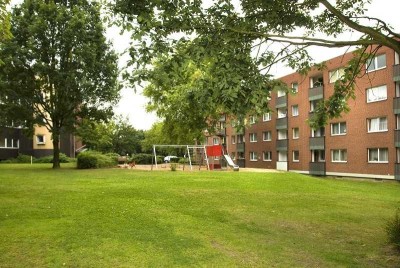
[58, 68]
[116, 136]
[4, 22]
[227, 48]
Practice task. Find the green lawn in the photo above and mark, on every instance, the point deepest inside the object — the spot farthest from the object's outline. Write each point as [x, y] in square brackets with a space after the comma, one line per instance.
[125, 218]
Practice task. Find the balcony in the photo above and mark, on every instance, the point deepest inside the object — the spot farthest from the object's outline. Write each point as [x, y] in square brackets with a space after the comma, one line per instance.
[282, 123]
[282, 145]
[396, 72]
[240, 147]
[281, 102]
[317, 168]
[317, 143]
[316, 93]
[397, 171]
[396, 105]
[397, 138]
[240, 163]
[221, 132]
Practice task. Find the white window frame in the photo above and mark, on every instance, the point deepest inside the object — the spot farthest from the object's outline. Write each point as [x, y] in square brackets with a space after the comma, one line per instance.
[280, 131]
[342, 153]
[233, 140]
[280, 93]
[295, 110]
[215, 141]
[282, 156]
[378, 98]
[267, 156]
[282, 112]
[40, 142]
[336, 75]
[340, 124]
[267, 117]
[319, 132]
[378, 151]
[374, 63]
[294, 132]
[265, 136]
[313, 105]
[253, 137]
[253, 156]
[298, 155]
[380, 124]
[253, 119]
[295, 87]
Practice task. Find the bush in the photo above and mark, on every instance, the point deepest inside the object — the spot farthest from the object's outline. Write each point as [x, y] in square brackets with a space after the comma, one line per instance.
[173, 166]
[49, 159]
[146, 159]
[393, 230]
[93, 159]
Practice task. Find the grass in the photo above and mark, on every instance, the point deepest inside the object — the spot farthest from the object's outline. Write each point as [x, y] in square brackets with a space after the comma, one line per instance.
[125, 218]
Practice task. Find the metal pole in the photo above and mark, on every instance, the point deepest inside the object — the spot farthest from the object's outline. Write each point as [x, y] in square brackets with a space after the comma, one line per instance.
[190, 161]
[155, 155]
[205, 153]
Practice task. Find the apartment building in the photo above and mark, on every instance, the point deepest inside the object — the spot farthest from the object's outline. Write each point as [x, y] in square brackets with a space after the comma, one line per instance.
[14, 142]
[362, 143]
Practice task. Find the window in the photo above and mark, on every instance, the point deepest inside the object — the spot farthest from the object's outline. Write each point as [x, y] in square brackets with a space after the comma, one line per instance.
[397, 121]
[267, 117]
[240, 139]
[319, 132]
[296, 156]
[296, 133]
[253, 137]
[281, 93]
[377, 124]
[339, 155]
[240, 155]
[313, 105]
[378, 155]
[335, 75]
[295, 110]
[281, 112]
[376, 94]
[282, 156]
[318, 156]
[376, 63]
[316, 82]
[233, 156]
[267, 156]
[295, 87]
[338, 129]
[2, 142]
[282, 134]
[267, 136]
[253, 156]
[40, 139]
[233, 139]
[253, 119]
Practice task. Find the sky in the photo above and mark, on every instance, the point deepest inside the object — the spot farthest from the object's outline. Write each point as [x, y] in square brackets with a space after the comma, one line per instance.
[132, 103]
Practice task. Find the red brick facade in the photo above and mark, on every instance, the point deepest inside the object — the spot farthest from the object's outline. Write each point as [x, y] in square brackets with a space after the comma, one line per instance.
[363, 143]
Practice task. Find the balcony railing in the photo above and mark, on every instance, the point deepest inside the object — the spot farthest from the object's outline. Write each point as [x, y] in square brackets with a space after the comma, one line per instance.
[316, 93]
[397, 137]
[281, 102]
[282, 145]
[397, 171]
[396, 105]
[317, 168]
[282, 123]
[317, 143]
[396, 72]
[240, 147]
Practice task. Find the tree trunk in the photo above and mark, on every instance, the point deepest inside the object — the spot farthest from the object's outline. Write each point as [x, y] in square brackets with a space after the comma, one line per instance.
[56, 150]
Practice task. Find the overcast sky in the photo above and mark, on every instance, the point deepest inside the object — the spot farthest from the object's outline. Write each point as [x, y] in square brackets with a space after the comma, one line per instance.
[132, 105]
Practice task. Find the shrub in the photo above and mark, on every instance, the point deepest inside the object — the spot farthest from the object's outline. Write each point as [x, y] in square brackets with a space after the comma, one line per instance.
[173, 166]
[393, 230]
[23, 158]
[146, 159]
[49, 159]
[86, 160]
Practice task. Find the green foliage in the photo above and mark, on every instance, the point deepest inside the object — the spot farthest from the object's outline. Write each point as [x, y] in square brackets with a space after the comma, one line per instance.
[116, 136]
[22, 158]
[173, 166]
[221, 58]
[93, 159]
[393, 230]
[57, 67]
[146, 159]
